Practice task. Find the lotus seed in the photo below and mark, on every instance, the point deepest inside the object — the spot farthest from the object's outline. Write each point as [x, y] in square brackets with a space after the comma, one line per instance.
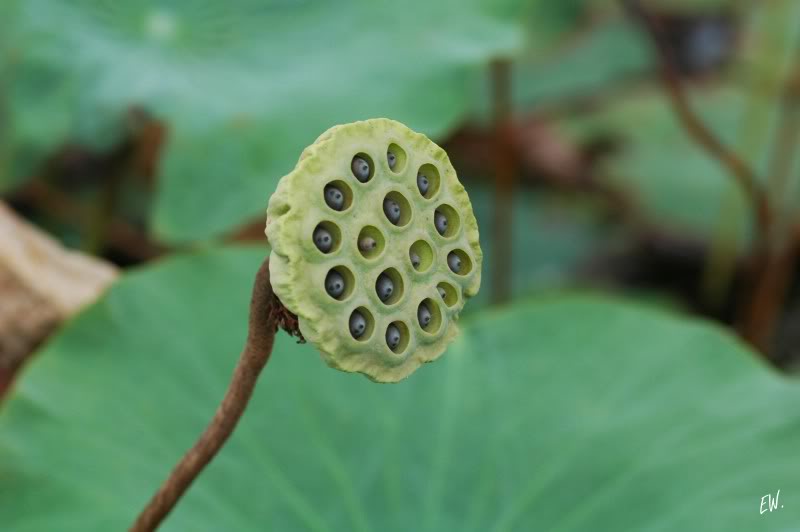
[358, 324]
[422, 183]
[392, 336]
[391, 159]
[360, 169]
[415, 260]
[454, 261]
[440, 221]
[323, 239]
[442, 292]
[334, 284]
[367, 243]
[392, 210]
[384, 286]
[424, 315]
[334, 197]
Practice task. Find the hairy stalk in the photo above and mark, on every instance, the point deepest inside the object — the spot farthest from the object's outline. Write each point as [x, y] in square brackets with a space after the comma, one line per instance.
[265, 317]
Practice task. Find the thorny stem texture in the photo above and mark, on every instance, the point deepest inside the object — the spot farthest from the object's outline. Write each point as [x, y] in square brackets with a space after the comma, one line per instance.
[264, 308]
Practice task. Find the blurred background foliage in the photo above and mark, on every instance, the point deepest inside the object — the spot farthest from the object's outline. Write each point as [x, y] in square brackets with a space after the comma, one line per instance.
[137, 130]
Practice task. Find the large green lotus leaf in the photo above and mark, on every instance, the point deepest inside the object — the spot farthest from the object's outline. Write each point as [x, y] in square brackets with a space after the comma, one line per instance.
[563, 414]
[245, 85]
[673, 179]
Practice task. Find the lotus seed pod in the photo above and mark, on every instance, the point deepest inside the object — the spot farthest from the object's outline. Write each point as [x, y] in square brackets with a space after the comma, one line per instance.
[454, 262]
[393, 336]
[422, 184]
[334, 197]
[334, 284]
[384, 286]
[392, 210]
[424, 315]
[358, 324]
[323, 239]
[440, 221]
[442, 292]
[360, 169]
[340, 296]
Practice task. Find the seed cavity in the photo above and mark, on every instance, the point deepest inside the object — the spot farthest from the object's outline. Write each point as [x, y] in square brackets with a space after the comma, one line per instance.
[459, 262]
[358, 324]
[421, 255]
[371, 242]
[397, 209]
[448, 293]
[334, 197]
[423, 184]
[392, 210]
[428, 180]
[334, 284]
[393, 336]
[389, 286]
[362, 167]
[326, 237]
[323, 239]
[440, 222]
[339, 283]
[446, 221]
[384, 286]
[424, 315]
[395, 158]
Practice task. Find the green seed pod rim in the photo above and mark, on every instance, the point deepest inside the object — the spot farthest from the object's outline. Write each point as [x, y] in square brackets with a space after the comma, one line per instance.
[298, 269]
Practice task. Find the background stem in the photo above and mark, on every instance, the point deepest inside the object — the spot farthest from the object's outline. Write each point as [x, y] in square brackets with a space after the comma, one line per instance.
[256, 352]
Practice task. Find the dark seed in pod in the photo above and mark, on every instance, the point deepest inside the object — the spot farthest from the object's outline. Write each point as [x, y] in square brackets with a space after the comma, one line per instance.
[454, 261]
[358, 324]
[384, 287]
[440, 221]
[391, 158]
[367, 243]
[442, 292]
[392, 210]
[424, 315]
[334, 197]
[360, 169]
[422, 183]
[415, 260]
[392, 336]
[334, 284]
[323, 239]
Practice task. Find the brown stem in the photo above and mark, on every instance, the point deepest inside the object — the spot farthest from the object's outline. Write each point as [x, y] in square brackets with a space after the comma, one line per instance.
[256, 352]
[744, 175]
[505, 180]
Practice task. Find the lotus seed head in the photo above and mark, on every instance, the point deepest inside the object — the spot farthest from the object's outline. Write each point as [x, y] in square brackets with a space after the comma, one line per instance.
[367, 243]
[360, 169]
[334, 284]
[392, 336]
[424, 315]
[358, 324]
[415, 260]
[392, 210]
[440, 221]
[384, 287]
[422, 183]
[334, 197]
[442, 292]
[454, 261]
[323, 239]
[391, 158]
